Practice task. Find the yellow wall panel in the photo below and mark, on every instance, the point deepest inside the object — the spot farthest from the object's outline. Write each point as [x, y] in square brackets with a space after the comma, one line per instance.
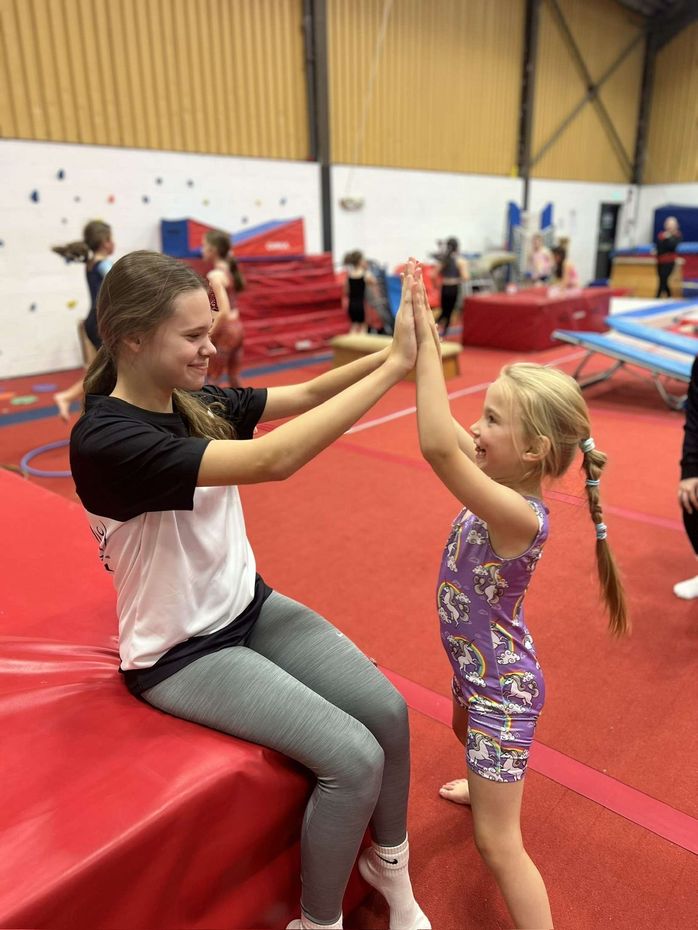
[672, 145]
[219, 76]
[447, 83]
[602, 31]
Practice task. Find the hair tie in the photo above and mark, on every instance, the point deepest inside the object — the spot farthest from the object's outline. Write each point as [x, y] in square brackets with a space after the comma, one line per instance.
[587, 445]
[593, 482]
[601, 530]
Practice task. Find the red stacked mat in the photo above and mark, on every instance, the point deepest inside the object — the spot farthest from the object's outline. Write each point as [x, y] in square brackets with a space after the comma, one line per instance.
[288, 306]
[114, 814]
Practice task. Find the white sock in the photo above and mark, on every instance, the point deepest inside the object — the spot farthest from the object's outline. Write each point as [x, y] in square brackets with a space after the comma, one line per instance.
[688, 589]
[305, 923]
[385, 869]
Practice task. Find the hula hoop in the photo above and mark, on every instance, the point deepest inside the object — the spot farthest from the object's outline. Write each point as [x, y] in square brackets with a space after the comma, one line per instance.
[27, 469]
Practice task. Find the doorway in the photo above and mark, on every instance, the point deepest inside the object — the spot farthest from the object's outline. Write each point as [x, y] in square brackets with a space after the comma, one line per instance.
[608, 221]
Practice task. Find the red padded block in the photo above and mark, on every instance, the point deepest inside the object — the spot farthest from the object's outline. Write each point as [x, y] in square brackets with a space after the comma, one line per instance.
[526, 321]
[114, 814]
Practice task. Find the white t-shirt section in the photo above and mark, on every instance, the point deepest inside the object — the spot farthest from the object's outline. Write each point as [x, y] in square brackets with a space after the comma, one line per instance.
[177, 573]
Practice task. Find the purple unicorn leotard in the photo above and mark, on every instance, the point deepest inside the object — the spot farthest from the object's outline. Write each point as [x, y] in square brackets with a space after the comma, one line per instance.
[496, 676]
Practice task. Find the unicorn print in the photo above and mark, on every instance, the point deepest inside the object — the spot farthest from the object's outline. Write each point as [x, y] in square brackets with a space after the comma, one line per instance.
[480, 751]
[489, 582]
[454, 605]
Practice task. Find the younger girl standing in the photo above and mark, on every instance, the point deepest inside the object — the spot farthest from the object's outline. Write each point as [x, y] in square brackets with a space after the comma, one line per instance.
[227, 333]
[533, 424]
[94, 249]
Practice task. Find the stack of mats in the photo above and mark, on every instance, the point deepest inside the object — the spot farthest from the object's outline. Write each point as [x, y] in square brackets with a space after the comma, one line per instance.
[288, 305]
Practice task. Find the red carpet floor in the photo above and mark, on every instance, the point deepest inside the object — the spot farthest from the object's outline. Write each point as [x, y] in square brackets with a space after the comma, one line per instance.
[358, 535]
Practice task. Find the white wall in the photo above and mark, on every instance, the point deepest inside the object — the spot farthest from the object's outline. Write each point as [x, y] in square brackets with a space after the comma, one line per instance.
[576, 210]
[406, 212]
[224, 192]
[657, 195]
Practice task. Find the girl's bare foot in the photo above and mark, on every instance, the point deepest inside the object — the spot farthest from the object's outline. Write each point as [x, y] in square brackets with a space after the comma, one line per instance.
[456, 791]
[62, 401]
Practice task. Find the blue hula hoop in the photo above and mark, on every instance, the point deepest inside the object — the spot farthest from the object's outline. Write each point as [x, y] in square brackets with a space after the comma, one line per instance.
[27, 469]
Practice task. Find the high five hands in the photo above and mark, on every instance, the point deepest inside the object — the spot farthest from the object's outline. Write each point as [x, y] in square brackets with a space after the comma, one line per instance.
[414, 324]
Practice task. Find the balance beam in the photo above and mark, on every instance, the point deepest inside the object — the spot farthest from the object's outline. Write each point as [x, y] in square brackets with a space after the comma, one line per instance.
[351, 346]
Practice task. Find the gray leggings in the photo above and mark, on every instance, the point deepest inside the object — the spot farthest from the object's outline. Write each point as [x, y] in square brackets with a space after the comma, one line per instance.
[302, 688]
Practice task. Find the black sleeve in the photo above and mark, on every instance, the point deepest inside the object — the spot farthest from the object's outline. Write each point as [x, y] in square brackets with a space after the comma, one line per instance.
[243, 407]
[689, 454]
[123, 467]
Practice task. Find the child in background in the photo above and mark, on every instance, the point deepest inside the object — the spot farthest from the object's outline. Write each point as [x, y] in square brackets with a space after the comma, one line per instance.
[451, 272]
[227, 333]
[533, 423]
[94, 250]
[358, 277]
[540, 261]
[566, 275]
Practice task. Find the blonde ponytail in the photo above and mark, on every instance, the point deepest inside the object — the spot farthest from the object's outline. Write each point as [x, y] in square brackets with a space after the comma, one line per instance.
[550, 403]
[609, 576]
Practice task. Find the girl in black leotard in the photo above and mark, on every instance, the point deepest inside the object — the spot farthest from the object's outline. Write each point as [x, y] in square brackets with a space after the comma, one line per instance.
[94, 250]
[453, 271]
[357, 279]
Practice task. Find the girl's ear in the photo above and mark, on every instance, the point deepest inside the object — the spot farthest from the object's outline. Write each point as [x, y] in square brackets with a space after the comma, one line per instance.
[538, 450]
[134, 343]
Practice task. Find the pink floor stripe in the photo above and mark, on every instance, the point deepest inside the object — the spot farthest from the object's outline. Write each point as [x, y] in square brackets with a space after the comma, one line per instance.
[635, 806]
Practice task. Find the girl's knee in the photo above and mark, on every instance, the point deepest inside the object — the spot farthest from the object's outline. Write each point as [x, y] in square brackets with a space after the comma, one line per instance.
[363, 764]
[498, 848]
[388, 719]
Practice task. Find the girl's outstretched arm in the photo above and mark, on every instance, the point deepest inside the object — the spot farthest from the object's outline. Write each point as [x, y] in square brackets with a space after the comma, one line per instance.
[504, 510]
[292, 399]
[282, 452]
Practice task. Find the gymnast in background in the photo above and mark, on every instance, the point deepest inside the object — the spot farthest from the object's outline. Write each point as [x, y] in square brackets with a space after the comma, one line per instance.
[226, 281]
[94, 249]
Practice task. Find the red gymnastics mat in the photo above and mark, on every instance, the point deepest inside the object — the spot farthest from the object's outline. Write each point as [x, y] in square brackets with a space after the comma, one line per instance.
[525, 321]
[113, 814]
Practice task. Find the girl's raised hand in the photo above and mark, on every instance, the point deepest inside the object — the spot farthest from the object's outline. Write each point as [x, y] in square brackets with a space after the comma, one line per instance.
[425, 325]
[403, 351]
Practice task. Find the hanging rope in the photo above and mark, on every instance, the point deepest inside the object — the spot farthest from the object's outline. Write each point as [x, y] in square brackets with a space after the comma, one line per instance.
[378, 51]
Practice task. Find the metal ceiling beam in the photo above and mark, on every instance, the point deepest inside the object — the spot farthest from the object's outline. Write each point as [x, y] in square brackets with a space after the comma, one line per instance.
[660, 31]
[664, 29]
[643, 114]
[317, 81]
[528, 94]
[592, 92]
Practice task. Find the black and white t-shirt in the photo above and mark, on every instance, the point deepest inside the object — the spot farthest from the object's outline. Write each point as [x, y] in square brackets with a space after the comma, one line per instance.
[183, 569]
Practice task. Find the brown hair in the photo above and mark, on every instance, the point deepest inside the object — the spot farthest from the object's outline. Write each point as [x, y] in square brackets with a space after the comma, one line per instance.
[220, 241]
[550, 404]
[354, 258]
[94, 235]
[136, 297]
[560, 257]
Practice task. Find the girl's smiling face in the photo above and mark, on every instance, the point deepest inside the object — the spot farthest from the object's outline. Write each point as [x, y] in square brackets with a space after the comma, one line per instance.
[499, 440]
[178, 352]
